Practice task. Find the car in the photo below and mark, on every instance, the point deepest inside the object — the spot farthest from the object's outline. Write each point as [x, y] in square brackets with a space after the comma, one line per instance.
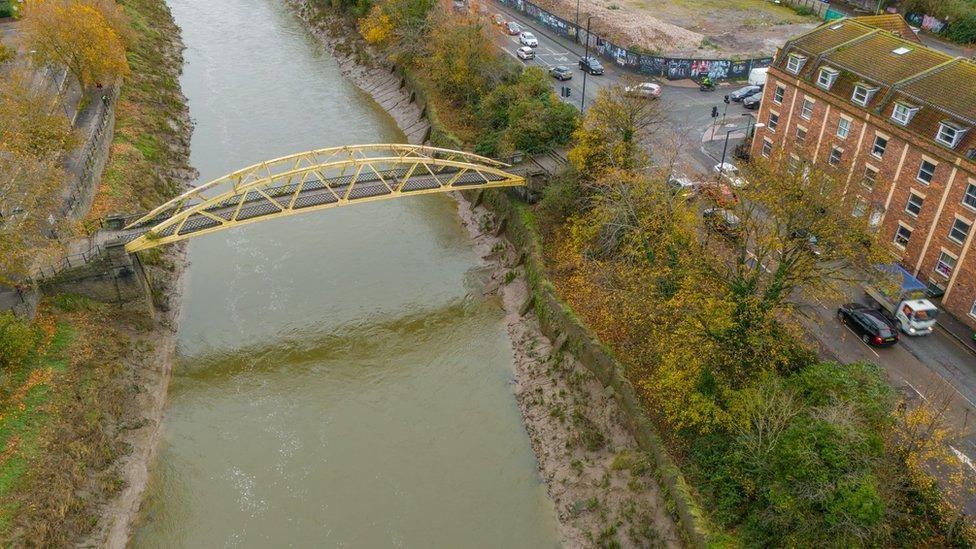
[718, 192]
[525, 52]
[560, 72]
[528, 39]
[752, 102]
[591, 65]
[498, 19]
[649, 90]
[723, 222]
[683, 187]
[731, 173]
[810, 240]
[869, 324]
[741, 93]
[513, 28]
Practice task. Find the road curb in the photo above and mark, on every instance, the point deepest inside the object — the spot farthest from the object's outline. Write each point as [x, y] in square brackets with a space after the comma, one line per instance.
[956, 337]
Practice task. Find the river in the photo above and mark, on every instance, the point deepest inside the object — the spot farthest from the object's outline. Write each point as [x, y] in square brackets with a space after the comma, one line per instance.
[342, 380]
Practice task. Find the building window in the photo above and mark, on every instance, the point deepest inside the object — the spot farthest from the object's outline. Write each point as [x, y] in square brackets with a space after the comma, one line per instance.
[773, 121]
[945, 265]
[827, 77]
[870, 177]
[778, 94]
[902, 236]
[949, 134]
[835, 156]
[767, 147]
[795, 63]
[880, 144]
[926, 171]
[972, 310]
[914, 206]
[807, 111]
[843, 128]
[801, 135]
[969, 198]
[959, 231]
[794, 165]
[860, 207]
[903, 114]
[863, 94]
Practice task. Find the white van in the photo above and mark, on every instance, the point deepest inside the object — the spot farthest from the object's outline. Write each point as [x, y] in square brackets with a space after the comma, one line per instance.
[757, 77]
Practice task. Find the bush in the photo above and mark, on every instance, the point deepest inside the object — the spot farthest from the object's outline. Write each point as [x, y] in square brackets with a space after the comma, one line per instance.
[18, 342]
[963, 30]
[6, 10]
[6, 54]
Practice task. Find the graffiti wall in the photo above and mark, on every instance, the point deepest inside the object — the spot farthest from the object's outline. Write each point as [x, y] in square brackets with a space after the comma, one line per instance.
[644, 63]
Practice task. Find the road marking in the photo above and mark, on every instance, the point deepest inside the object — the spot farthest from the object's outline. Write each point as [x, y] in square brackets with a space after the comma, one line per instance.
[917, 392]
[963, 457]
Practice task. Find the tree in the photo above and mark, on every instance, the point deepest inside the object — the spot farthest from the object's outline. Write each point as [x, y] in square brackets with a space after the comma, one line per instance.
[85, 36]
[30, 122]
[462, 62]
[614, 132]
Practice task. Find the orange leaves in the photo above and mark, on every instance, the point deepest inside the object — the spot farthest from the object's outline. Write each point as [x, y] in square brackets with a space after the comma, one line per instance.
[377, 27]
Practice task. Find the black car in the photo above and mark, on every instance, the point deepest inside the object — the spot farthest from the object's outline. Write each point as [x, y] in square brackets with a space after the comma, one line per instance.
[872, 326]
[742, 93]
[560, 72]
[590, 65]
[752, 102]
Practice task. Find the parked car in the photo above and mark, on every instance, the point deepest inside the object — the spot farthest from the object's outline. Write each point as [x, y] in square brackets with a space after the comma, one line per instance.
[723, 222]
[718, 192]
[525, 52]
[591, 65]
[731, 173]
[513, 28]
[869, 324]
[649, 90]
[560, 72]
[529, 39]
[752, 102]
[741, 93]
[682, 186]
[810, 240]
[498, 19]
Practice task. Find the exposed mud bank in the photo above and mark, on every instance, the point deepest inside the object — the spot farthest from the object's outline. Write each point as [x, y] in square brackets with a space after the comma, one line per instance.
[596, 475]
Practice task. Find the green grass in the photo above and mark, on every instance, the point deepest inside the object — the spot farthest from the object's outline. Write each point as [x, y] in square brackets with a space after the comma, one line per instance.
[23, 418]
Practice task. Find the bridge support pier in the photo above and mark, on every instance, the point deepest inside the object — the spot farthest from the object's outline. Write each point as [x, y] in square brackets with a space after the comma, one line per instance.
[115, 277]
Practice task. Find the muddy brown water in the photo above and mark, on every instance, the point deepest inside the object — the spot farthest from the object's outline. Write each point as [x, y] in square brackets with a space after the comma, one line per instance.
[342, 380]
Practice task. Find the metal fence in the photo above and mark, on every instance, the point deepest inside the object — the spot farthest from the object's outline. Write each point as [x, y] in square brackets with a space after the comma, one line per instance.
[64, 263]
[672, 68]
[88, 156]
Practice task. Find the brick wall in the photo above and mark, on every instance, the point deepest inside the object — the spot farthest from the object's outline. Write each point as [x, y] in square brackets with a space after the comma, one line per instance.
[895, 182]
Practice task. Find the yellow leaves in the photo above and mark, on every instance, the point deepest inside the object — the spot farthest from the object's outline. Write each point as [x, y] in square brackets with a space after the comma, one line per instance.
[86, 36]
[376, 27]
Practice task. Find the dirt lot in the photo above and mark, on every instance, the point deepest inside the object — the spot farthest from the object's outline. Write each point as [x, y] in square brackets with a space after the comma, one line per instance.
[707, 28]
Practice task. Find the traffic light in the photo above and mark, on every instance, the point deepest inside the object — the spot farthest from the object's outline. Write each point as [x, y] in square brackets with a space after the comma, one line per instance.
[714, 112]
[566, 91]
[726, 100]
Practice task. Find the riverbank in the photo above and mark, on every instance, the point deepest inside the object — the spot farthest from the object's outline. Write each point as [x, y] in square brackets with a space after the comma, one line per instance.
[599, 481]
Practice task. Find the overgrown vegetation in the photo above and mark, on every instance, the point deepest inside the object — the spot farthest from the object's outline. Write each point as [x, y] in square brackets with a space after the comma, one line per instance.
[786, 450]
[961, 15]
[496, 106]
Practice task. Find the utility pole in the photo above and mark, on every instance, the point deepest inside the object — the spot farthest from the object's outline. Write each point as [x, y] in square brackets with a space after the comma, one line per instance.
[586, 53]
[576, 37]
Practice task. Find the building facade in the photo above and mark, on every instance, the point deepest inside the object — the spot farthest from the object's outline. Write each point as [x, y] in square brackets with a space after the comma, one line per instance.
[896, 120]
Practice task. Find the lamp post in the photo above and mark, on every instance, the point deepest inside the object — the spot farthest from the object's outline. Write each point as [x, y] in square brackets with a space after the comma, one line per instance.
[576, 37]
[586, 53]
[721, 166]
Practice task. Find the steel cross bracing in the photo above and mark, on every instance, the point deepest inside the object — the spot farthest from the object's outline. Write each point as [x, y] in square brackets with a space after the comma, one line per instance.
[315, 180]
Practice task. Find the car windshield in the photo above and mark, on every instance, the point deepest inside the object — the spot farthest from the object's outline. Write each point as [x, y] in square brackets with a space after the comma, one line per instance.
[745, 90]
[925, 314]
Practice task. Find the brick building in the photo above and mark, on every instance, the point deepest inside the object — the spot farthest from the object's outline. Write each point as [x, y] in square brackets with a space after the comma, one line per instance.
[896, 119]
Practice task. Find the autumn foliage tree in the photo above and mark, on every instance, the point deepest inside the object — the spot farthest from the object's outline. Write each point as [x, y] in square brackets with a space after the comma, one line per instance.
[86, 36]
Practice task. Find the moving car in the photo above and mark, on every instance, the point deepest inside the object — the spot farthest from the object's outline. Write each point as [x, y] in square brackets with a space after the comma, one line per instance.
[498, 19]
[723, 222]
[741, 93]
[752, 102]
[905, 303]
[560, 72]
[513, 28]
[525, 52]
[649, 90]
[870, 325]
[528, 39]
[731, 173]
[757, 77]
[591, 65]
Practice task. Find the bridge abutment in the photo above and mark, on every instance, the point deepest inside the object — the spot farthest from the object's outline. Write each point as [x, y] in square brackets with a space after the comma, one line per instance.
[115, 276]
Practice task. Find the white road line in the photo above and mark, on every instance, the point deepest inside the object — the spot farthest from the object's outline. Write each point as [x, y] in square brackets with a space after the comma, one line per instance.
[963, 457]
[917, 392]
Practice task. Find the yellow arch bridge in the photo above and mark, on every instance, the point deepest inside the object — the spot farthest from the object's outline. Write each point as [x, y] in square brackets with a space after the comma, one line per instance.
[314, 180]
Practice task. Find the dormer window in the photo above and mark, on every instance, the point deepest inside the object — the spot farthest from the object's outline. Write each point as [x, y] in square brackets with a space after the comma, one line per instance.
[795, 63]
[863, 94]
[903, 114]
[949, 134]
[827, 77]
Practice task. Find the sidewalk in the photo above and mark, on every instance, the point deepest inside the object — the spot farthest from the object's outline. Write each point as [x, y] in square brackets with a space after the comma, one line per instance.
[957, 330]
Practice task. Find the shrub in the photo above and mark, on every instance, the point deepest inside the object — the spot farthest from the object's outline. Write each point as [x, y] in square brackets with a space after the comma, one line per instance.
[18, 342]
[963, 30]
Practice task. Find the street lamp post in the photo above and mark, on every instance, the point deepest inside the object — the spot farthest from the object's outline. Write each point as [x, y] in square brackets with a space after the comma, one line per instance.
[586, 53]
[576, 37]
[721, 166]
